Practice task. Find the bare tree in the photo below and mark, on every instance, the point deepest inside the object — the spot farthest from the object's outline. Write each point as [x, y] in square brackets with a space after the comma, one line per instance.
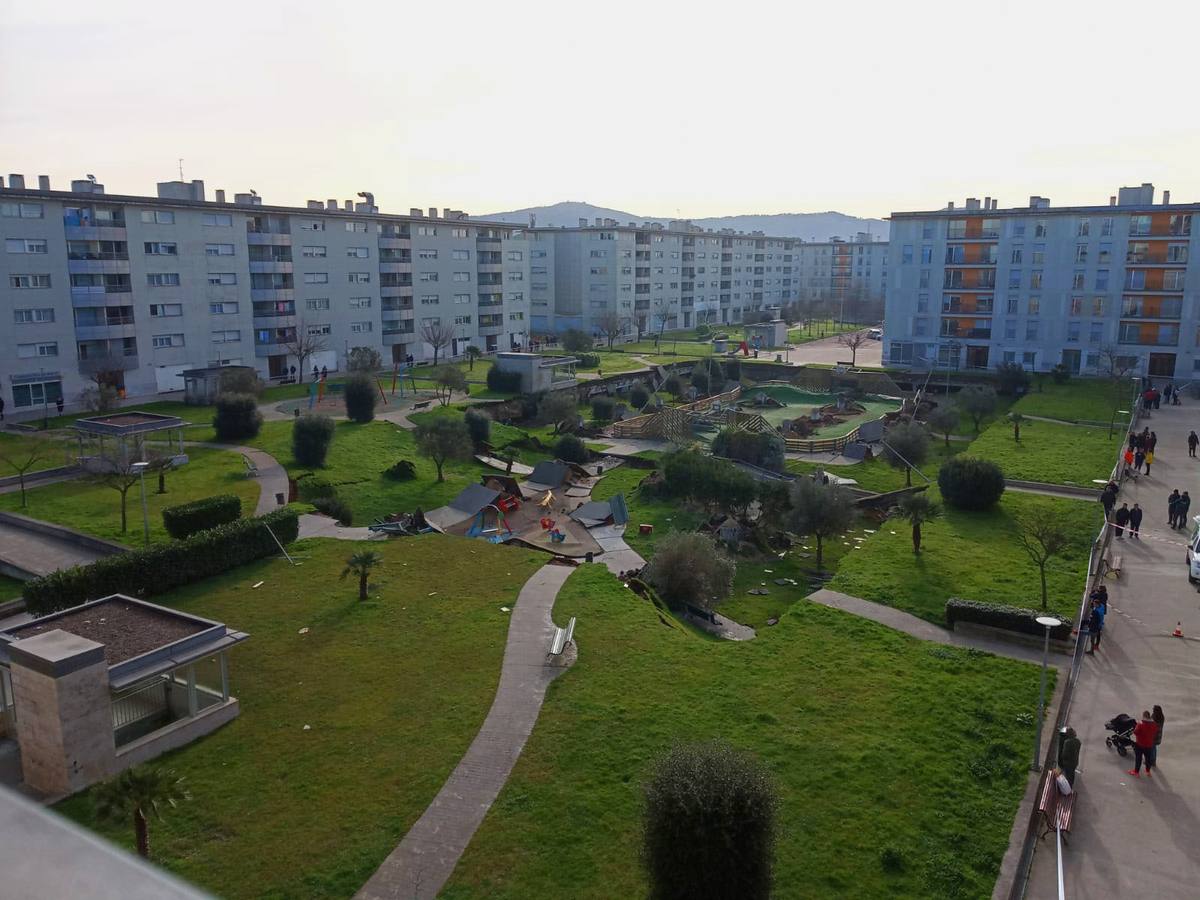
[1117, 368]
[640, 318]
[662, 311]
[852, 340]
[116, 470]
[1042, 537]
[303, 345]
[438, 334]
[22, 458]
[610, 326]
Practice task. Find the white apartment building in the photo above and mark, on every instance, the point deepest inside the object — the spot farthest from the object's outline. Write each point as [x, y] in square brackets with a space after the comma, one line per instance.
[837, 269]
[134, 290]
[978, 286]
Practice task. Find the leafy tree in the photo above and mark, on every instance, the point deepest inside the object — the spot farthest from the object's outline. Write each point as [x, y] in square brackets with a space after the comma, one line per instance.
[906, 446]
[765, 449]
[360, 395]
[443, 439]
[701, 380]
[978, 401]
[361, 563]
[821, 510]
[673, 385]
[943, 419]
[22, 458]
[473, 353]
[237, 417]
[917, 509]
[364, 359]
[311, 437]
[576, 341]
[102, 396]
[571, 448]
[1017, 421]
[1043, 538]
[447, 380]
[237, 380]
[479, 424]
[1060, 373]
[709, 825]
[1011, 378]
[967, 482]
[690, 568]
[603, 408]
[559, 409]
[138, 793]
[733, 368]
[639, 395]
[438, 334]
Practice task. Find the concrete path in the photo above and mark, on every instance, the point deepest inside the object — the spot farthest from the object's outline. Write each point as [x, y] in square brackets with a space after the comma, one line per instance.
[421, 864]
[40, 554]
[1140, 837]
[633, 446]
[927, 631]
[272, 477]
[322, 526]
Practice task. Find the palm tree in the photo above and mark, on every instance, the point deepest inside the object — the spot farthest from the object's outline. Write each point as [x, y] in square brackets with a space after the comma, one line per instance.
[139, 792]
[510, 455]
[473, 353]
[918, 509]
[1017, 420]
[361, 564]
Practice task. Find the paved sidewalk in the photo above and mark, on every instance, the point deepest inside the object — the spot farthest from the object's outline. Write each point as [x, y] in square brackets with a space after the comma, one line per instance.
[272, 477]
[1140, 837]
[40, 554]
[421, 864]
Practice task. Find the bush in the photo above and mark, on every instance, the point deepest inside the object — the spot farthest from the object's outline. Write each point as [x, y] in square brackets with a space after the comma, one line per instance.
[700, 378]
[639, 395]
[588, 360]
[240, 381]
[188, 518]
[576, 341]
[733, 368]
[689, 568]
[1011, 378]
[336, 508]
[163, 567]
[404, 470]
[364, 359]
[603, 408]
[503, 382]
[237, 417]
[1010, 618]
[311, 437]
[1060, 373]
[717, 484]
[571, 449]
[360, 395]
[479, 424]
[311, 488]
[703, 331]
[673, 385]
[970, 483]
[765, 450]
[709, 825]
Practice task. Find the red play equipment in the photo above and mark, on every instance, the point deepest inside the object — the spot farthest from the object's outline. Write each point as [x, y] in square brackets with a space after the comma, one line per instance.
[744, 348]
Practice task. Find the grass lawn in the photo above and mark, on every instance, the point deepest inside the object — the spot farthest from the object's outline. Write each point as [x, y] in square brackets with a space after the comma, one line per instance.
[17, 447]
[1049, 452]
[10, 587]
[665, 515]
[394, 691]
[96, 509]
[876, 741]
[972, 555]
[611, 361]
[1079, 400]
[819, 329]
[880, 475]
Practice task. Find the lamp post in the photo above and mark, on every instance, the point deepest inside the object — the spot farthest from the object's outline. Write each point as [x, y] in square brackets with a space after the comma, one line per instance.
[1047, 622]
[141, 468]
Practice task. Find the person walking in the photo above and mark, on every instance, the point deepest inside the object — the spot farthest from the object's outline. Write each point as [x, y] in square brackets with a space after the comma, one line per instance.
[1138, 459]
[1193, 440]
[1152, 442]
[1173, 507]
[1167, 392]
[1128, 460]
[1095, 623]
[1143, 744]
[1149, 460]
[1068, 753]
[1122, 518]
[1159, 719]
[1108, 500]
[1181, 510]
[1135, 522]
[1133, 442]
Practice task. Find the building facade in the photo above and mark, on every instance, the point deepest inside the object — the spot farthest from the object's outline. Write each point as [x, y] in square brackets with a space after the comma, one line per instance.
[1096, 289]
[133, 290]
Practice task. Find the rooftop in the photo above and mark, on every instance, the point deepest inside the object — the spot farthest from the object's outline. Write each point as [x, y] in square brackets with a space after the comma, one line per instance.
[126, 423]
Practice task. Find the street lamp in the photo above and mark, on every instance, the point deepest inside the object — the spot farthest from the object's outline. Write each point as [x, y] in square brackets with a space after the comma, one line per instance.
[140, 468]
[1047, 622]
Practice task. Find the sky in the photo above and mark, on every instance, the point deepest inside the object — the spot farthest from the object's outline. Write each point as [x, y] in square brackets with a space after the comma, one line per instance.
[657, 108]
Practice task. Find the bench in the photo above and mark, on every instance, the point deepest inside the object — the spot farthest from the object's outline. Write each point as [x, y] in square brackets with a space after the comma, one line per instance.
[421, 405]
[562, 637]
[1057, 809]
[1113, 564]
[251, 466]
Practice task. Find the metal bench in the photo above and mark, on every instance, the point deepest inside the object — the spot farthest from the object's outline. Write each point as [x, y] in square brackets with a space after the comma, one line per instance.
[1057, 809]
[562, 637]
[251, 466]
[421, 405]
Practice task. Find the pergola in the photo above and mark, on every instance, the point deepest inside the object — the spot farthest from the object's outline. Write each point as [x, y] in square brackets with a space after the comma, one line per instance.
[127, 433]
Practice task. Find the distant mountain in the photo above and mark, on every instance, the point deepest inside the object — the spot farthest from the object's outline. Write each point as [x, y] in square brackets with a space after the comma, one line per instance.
[809, 226]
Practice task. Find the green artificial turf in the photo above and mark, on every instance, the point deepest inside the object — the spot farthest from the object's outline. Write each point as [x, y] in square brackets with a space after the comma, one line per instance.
[1079, 400]
[393, 691]
[1050, 452]
[877, 742]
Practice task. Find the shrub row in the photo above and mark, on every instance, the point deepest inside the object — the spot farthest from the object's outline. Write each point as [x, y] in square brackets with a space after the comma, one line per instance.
[1010, 618]
[186, 519]
[588, 360]
[164, 567]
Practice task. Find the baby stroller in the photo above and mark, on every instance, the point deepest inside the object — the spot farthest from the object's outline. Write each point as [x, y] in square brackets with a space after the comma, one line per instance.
[1122, 733]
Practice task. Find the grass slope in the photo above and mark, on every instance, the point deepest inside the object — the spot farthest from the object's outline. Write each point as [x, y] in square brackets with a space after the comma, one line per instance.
[665, 515]
[876, 741]
[1049, 452]
[17, 448]
[880, 475]
[394, 691]
[1079, 400]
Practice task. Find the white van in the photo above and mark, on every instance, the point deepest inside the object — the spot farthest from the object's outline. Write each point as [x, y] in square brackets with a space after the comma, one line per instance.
[1193, 551]
[875, 334]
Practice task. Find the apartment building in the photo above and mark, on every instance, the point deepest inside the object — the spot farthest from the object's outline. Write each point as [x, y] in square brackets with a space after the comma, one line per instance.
[978, 286]
[133, 290]
[838, 269]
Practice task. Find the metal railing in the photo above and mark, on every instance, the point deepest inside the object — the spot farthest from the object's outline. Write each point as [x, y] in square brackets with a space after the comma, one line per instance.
[138, 703]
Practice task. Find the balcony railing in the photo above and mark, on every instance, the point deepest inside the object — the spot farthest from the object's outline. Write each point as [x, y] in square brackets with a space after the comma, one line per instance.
[77, 254]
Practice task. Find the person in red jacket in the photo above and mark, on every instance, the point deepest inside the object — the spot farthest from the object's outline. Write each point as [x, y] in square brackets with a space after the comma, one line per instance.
[1144, 734]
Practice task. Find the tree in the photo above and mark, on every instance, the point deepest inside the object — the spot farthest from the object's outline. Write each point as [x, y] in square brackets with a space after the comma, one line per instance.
[689, 568]
[610, 325]
[709, 825]
[673, 385]
[701, 380]
[237, 417]
[240, 380]
[576, 341]
[639, 395]
[361, 563]
[640, 319]
[23, 457]
[662, 312]
[138, 793]
[160, 463]
[978, 401]
[917, 509]
[438, 334]
[906, 446]
[1017, 421]
[479, 424]
[603, 408]
[1117, 368]
[311, 437]
[558, 409]
[447, 380]
[473, 353]
[102, 396]
[1011, 378]
[364, 359]
[943, 419]
[303, 344]
[852, 340]
[571, 448]
[820, 510]
[360, 395]
[967, 482]
[1042, 537]
[115, 469]
[509, 455]
[443, 439]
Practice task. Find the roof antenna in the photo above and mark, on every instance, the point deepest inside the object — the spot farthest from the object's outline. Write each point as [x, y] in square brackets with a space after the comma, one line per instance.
[181, 168]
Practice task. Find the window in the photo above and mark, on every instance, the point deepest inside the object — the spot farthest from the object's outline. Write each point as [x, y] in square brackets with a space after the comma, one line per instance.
[515, 296]
[906, 255]
[1106, 227]
[223, 308]
[1081, 253]
[1097, 306]
[1085, 227]
[358, 252]
[462, 320]
[1176, 253]
[28, 281]
[1015, 258]
[356, 226]
[1076, 306]
[1135, 279]
[359, 277]
[1018, 229]
[160, 341]
[427, 231]
[1173, 280]
[161, 248]
[226, 337]
[516, 255]
[1031, 330]
[457, 232]
[1039, 229]
[1012, 306]
[516, 276]
[1010, 331]
[926, 231]
[218, 249]
[1035, 305]
[222, 278]
[317, 303]
[217, 219]
[1014, 279]
[360, 327]
[164, 279]
[32, 351]
[926, 255]
[462, 298]
[316, 278]
[430, 299]
[158, 217]
[23, 245]
[1104, 256]
[427, 253]
[461, 277]
[1035, 280]
[1102, 279]
[428, 276]
[924, 280]
[516, 317]
[1073, 329]
[460, 254]
[599, 254]
[312, 225]
[21, 210]
[1077, 278]
[360, 302]
[314, 252]
[165, 310]
[32, 316]
[1095, 332]
[1139, 226]
[920, 327]
[320, 330]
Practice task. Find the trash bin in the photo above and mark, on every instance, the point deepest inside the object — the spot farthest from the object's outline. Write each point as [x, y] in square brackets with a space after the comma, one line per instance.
[589, 556]
[279, 498]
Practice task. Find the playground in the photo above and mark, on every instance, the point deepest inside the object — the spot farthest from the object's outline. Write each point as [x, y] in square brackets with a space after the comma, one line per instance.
[329, 397]
[780, 403]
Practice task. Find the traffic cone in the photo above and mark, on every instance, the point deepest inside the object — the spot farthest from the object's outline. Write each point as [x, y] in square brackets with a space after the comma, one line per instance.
[1178, 632]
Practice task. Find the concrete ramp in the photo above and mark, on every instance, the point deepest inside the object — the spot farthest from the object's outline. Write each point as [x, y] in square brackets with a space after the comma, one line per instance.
[30, 548]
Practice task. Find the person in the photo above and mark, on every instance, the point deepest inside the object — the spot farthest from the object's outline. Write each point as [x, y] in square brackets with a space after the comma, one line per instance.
[1128, 458]
[316, 373]
[1149, 460]
[1185, 503]
[1133, 441]
[1, 409]
[324, 373]
[58, 403]
[1175, 397]
[1135, 522]
[1173, 507]
[1138, 459]
[1193, 440]
[1095, 623]
[1167, 392]
[1143, 744]
[1108, 499]
[1122, 520]
[1152, 442]
[1159, 720]
[1068, 753]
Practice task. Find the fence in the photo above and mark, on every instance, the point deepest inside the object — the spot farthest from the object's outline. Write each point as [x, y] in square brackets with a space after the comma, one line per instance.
[636, 427]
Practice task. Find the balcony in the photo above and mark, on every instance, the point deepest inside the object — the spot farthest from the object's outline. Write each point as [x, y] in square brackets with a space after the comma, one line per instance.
[270, 267]
[395, 267]
[394, 291]
[974, 333]
[116, 266]
[491, 303]
[396, 304]
[115, 360]
[274, 295]
[103, 331]
[490, 279]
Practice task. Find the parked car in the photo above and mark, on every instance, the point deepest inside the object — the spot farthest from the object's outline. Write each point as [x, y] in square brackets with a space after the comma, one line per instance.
[1193, 551]
[875, 334]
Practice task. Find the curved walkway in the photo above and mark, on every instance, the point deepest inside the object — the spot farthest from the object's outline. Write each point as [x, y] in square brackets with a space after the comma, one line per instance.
[272, 477]
[422, 862]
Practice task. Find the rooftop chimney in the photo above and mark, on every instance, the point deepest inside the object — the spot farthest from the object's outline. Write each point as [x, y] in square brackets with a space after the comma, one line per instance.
[349, 206]
[599, 221]
[44, 183]
[1112, 199]
[16, 182]
[331, 204]
[1166, 194]
[415, 211]
[220, 195]
[433, 212]
[314, 204]
[950, 205]
[987, 202]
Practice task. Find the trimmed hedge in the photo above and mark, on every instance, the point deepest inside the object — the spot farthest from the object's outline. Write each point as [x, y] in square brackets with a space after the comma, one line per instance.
[479, 424]
[164, 567]
[186, 519]
[588, 360]
[503, 382]
[1010, 618]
